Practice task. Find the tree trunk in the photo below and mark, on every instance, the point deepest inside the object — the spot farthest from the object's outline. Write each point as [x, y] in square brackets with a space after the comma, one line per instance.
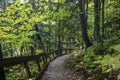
[103, 21]
[83, 24]
[2, 74]
[97, 21]
[86, 10]
[59, 35]
[59, 38]
[49, 35]
[103, 18]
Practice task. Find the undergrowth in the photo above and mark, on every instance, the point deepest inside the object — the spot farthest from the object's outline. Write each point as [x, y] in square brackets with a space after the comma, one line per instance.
[95, 65]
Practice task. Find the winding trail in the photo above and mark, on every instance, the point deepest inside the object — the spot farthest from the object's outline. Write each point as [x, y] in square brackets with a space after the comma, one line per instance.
[57, 70]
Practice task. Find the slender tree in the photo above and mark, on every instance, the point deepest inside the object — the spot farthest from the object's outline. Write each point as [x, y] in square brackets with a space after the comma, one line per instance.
[59, 30]
[97, 21]
[2, 74]
[103, 11]
[83, 24]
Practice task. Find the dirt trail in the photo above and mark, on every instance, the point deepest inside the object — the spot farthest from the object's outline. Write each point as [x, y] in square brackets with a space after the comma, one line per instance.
[57, 70]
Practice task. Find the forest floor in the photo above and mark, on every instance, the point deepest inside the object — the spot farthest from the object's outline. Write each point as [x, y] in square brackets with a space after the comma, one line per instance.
[57, 70]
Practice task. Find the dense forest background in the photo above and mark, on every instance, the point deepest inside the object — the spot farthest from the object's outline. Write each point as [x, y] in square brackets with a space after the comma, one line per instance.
[90, 27]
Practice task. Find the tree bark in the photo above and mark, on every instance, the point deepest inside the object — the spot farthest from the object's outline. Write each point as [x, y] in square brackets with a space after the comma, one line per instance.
[97, 21]
[103, 18]
[59, 35]
[2, 73]
[59, 38]
[84, 25]
[103, 10]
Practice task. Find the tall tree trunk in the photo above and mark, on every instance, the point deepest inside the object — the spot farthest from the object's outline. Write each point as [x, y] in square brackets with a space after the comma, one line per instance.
[59, 37]
[103, 18]
[83, 24]
[49, 34]
[97, 21]
[2, 74]
[86, 10]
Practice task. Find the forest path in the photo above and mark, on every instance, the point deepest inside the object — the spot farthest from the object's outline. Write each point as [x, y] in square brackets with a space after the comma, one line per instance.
[58, 71]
